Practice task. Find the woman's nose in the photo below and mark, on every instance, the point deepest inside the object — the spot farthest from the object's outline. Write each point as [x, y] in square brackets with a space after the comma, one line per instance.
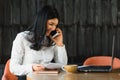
[53, 28]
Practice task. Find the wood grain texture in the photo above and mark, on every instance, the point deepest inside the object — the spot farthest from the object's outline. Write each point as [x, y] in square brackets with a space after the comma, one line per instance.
[88, 25]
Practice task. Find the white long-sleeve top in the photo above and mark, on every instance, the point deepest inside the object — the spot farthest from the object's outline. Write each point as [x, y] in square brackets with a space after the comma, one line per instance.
[23, 57]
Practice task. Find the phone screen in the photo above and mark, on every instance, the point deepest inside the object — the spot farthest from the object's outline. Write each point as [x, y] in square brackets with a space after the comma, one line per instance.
[54, 34]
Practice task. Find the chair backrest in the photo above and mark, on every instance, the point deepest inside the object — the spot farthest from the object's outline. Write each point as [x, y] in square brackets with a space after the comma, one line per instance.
[7, 74]
[102, 61]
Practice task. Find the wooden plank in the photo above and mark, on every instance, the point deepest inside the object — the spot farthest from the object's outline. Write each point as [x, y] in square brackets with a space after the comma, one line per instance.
[71, 29]
[81, 43]
[118, 18]
[76, 24]
[1, 44]
[41, 3]
[68, 11]
[97, 41]
[118, 8]
[91, 8]
[76, 17]
[118, 11]
[117, 42]
[83, 12]
[1, 11]
[114, 12]
[15, 11]
[105, 40]
[81, 40]
[51, 2]
[98, 10]
[111, 32]
[64, 30]
[7, 12]
[59, 5]
[24, 12]
[7, 41]
[70, 41]
[106, 12]
[31, 11]
[88, 41]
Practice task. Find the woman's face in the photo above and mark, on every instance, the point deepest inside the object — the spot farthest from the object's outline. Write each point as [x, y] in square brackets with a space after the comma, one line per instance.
[51, 25]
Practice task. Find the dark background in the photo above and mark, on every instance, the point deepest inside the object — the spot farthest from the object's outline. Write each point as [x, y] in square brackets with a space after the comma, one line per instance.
[88, 25]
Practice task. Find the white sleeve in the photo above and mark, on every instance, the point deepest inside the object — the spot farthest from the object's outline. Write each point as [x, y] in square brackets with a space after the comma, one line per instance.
[17, 56]
[60, 58]
[60, 55]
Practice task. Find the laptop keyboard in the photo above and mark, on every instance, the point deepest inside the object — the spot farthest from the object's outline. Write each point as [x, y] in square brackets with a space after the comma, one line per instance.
[94, 68]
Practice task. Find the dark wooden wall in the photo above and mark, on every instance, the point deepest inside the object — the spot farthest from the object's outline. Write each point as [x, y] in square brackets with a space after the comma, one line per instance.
[88, 25]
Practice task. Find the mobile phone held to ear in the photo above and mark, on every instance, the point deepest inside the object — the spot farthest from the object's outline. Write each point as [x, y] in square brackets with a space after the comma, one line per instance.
[54, 34]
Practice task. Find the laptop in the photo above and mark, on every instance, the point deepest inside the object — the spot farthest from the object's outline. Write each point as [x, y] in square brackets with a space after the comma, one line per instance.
[93, 68]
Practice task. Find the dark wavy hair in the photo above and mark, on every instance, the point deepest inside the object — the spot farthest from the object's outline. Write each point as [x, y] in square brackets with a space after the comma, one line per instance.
[39, 26]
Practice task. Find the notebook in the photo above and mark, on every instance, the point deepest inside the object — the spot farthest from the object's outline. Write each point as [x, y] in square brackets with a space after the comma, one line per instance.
[49, 71]
[93, 68]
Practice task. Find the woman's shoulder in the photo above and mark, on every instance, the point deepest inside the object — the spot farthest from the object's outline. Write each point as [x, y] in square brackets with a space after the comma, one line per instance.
[25, 35]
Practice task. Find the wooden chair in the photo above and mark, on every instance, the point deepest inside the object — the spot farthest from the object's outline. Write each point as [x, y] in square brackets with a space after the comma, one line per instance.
[7, 74]
[102, 61]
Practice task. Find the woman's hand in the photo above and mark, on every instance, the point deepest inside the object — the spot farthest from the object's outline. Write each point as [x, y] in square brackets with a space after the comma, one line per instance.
[58, 39]
[38, 67]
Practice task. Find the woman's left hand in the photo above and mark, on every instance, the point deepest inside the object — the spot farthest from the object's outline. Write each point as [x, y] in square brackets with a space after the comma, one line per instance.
[58, 39]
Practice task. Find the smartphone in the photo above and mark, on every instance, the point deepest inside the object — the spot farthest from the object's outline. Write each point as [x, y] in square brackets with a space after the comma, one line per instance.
[54, 34]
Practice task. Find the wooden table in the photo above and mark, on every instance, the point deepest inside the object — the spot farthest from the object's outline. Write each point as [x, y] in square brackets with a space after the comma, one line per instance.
[75, 76]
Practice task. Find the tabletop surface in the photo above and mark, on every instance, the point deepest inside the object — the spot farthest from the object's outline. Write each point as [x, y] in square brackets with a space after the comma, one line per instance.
[75, 76]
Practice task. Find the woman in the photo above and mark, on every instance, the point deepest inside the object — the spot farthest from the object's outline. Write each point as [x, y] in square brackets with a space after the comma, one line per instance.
[35, 49]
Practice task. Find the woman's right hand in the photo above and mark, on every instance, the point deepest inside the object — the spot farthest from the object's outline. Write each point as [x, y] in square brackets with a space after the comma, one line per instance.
[38, 67]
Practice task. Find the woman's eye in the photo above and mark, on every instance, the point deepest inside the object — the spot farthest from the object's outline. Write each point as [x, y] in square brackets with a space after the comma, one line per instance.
[51, 24]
